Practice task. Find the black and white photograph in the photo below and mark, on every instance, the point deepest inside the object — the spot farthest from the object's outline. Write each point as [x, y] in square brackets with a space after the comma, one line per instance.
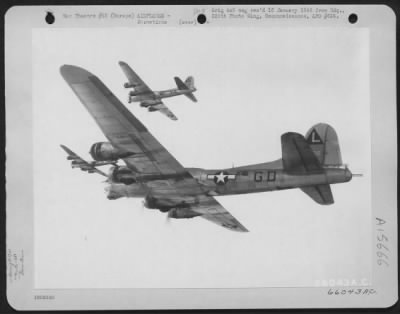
[211, 157]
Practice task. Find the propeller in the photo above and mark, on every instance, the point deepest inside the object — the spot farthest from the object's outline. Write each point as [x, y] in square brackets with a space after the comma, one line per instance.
[142, 207]
[168, 219]
[106, 188]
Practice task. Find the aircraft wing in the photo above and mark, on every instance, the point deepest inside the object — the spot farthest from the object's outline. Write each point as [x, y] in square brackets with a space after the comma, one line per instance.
[165, 110]
[137, 83]
[78, 162]
[140, 87]
[213, 211]
[120, 126]
[148, 157]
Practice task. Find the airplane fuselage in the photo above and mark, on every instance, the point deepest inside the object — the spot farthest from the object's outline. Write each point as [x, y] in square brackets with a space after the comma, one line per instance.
[142, 97]
[241, 180]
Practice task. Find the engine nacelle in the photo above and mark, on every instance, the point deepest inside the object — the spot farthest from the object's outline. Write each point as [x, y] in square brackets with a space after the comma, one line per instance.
[115, 191]
[179, 213]
[162, 204]
[154, 203]
[180, 210]
[104, 151]
[122, 174]
[151, 109]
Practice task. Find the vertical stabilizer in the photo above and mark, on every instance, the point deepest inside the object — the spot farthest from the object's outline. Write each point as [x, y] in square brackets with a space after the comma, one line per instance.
[189, 82]
[324, 142]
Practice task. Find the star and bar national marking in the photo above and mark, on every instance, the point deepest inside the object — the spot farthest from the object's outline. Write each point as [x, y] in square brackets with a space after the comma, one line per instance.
[221, 177]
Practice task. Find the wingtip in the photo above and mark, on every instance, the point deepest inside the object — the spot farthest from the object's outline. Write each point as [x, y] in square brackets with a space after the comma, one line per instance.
[66, 149]
[239, 228]
[172, 117]
[74, 74]
[242, 229]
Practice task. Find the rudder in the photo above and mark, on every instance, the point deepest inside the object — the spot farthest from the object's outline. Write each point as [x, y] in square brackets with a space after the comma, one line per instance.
[324, 142]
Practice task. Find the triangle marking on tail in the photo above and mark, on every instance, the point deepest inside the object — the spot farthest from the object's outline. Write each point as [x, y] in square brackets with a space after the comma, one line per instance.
[314, 138]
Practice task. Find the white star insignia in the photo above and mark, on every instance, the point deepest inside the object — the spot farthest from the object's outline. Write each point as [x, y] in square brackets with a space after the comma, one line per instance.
[220, 177]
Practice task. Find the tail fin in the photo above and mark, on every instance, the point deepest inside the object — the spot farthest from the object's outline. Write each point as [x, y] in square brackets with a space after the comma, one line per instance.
[188, 85]
[324, 142]
[298, 157]
[189, 82]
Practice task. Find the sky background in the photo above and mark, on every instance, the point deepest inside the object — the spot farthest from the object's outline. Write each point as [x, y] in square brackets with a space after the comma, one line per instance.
[254, 84]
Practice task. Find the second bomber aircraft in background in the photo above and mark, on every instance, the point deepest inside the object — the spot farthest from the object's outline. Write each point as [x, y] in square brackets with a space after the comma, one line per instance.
[152, 99]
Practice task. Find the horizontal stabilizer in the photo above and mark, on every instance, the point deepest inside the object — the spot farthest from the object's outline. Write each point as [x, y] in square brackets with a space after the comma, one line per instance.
[297, 156]
[322, 193]
[185, 86]
[180, 84]
[191, 97]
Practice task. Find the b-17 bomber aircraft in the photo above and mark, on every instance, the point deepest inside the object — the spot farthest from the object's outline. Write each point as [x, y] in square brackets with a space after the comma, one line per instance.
[152, 99]
[311, 162]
